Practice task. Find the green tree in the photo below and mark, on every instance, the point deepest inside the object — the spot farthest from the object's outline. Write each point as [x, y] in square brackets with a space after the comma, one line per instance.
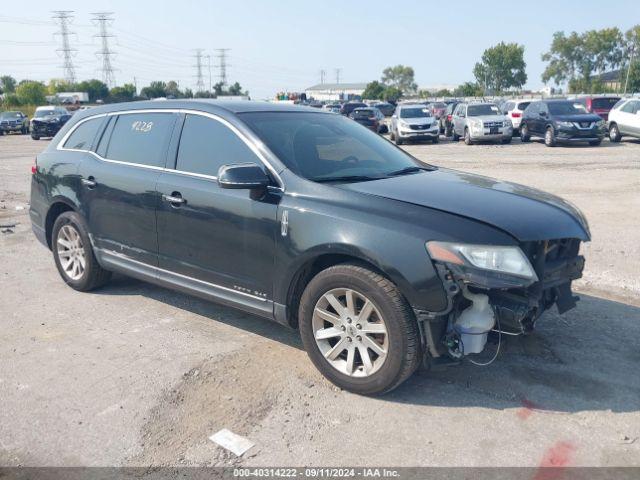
[125, 93]
[155, 89]
[577, 58]
[96, 89]
[7, 84]
[401, 77]
[172, 89]
[236, 89]
[373, 91]
[188, 93]
[502, 67]
[31, 93]
[57, 85]
[392, 94]
[468, 89]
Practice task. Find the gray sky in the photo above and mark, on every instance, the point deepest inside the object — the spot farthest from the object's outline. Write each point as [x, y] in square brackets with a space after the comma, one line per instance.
[283, 45]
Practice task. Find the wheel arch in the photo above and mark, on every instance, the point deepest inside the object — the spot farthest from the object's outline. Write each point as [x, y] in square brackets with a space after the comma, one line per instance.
[321, 260]
[58, 206]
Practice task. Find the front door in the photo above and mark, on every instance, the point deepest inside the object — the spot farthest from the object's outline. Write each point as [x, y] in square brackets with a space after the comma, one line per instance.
[119, 195]
[223, 239]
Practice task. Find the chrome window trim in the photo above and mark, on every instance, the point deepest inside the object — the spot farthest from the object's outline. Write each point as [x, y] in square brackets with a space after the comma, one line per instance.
[186, 277]
[230, 126]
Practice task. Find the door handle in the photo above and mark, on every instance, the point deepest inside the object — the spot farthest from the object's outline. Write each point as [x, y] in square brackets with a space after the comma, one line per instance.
[173, 198]
[89, 182]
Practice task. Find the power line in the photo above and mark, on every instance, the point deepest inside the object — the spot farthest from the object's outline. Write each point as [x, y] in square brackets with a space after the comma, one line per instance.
[198, 66]
[104, 20]
[64, 18]
[222, 58]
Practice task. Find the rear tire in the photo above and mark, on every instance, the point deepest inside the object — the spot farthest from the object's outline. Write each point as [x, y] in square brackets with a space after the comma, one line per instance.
[550, 137]
[614, 133]
[35, 137]
[399, 345]
[524, 133]
[74, 255]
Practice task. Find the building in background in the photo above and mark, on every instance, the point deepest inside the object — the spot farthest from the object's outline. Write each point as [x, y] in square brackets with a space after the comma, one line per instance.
[335, 91]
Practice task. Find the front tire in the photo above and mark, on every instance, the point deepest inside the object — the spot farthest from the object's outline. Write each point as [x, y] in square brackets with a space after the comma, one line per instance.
[35, 137]
[614, 133]
[550, 137]
[358, 330]
[74, 255]
[435, 139]
[467, 137]
[398, 140]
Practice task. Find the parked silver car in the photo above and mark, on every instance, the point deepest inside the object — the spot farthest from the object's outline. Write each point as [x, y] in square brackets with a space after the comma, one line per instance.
[413, 122]
[481, 122]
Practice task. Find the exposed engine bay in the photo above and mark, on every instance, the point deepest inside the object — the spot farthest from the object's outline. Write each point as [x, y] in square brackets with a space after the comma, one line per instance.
[481, 301]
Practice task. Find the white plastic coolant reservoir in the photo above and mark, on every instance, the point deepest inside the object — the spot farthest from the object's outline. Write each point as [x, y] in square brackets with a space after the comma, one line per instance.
[475, 322]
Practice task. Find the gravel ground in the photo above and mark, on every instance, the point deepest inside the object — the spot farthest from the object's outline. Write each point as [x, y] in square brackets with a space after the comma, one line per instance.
[134, 374]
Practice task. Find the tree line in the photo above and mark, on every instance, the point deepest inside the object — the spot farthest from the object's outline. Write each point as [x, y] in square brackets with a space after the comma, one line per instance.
[30, 92]
[577, 59]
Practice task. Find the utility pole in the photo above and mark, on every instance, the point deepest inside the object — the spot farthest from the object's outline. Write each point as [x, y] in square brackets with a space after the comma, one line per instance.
[322, 75]
[198, 66]
[104, 20]
[209, 66]
[64, 18]
[626, 82]
[338, 70]
[222, 58]
[135, 84]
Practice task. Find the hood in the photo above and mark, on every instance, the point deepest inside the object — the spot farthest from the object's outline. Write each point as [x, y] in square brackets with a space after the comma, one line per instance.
[525, 213]
[418, 120]
[489, 118]
[580, 117]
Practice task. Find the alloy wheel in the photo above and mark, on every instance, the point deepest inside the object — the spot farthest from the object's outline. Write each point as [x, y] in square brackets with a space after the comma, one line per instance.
[350, 332]
[71, 252]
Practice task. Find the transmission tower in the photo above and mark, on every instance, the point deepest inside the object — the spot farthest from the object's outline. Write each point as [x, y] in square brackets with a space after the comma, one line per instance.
[323, 73]
[103, 20]
[222, 59]
[198, 66]
[338, 71]
[64, 18]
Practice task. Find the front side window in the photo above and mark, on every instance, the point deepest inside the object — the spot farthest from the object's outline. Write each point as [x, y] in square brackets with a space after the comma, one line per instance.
[328, 148]
[141, 138]
[83, 136]
[207, 144]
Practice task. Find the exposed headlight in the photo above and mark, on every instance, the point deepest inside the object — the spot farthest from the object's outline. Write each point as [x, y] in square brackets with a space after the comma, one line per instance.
[403, 124]
[600, 123]
[508, 260]
[565, 124]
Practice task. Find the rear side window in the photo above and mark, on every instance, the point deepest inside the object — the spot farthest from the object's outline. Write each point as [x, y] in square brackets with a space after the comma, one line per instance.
[630, 107]
[207, 144]
[606, 102]
[82, 137]
[523, 105]
[141, 138]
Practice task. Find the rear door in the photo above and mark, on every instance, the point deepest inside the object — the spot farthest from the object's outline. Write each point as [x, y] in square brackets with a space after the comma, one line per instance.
[119, 195]
[629, 119]
[223, 239]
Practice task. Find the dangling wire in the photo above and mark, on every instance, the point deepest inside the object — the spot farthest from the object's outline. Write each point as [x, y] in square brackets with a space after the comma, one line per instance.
[497, 350]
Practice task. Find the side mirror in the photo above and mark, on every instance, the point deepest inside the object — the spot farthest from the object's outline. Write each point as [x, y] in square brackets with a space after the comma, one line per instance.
[248, 176]
[543, 114]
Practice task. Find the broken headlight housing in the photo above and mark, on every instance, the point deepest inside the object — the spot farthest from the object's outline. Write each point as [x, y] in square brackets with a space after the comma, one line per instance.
[482, 261]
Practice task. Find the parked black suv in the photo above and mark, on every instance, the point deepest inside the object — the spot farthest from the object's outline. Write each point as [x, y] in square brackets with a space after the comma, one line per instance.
[48, 123]
[561, 121]
[309, 219]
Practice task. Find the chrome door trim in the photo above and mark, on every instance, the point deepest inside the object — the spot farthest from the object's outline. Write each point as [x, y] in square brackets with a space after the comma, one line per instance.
[233, 128]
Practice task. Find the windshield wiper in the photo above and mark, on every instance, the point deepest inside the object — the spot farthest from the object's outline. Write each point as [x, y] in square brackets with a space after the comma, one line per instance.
[346, 178]
[404, 171]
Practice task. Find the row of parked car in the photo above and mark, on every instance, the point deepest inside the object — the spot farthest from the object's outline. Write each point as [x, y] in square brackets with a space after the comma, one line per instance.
[46, 122]
[556, 121]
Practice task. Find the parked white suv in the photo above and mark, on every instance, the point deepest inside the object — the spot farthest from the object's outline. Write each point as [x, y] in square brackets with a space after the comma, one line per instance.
[624, 119]
[480, 122]
[413, 122]
[514, 109]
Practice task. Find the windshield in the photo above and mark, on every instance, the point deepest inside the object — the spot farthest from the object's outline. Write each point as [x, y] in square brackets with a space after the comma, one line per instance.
[10, 115]
[44, 113]
[438, 105]
[325, 148]
[417, 112]
[566, 108]
[479, 110]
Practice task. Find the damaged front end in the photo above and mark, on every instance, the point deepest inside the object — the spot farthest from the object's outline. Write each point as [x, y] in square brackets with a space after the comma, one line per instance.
[503, 289]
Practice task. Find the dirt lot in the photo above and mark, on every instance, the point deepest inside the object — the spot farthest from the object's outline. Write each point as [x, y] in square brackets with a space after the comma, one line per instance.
[136, 375]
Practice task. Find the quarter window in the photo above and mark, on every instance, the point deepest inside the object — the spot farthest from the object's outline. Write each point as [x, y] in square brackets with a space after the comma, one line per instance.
[141, 138]
[83, 136]
[207, 144]
[630, 107]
